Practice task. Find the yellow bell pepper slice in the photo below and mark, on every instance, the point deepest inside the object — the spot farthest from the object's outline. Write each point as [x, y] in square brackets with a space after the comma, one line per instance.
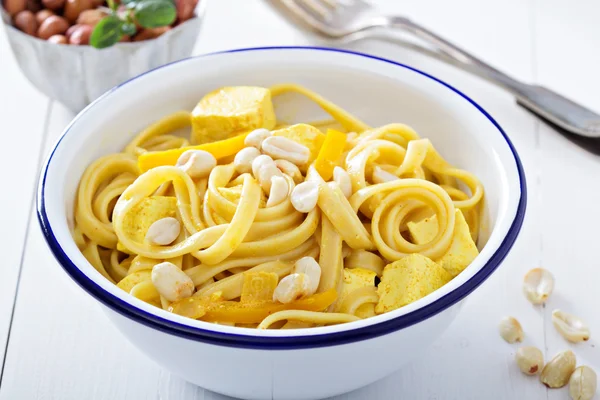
[330, 153]
[246, 313]
[219, 149]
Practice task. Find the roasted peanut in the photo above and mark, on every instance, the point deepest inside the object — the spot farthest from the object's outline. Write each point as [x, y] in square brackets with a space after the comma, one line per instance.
[264, 169]
[582, 384]
[90, 17]
[41, 16]
[163, 232]
[243, 159]
[26, 22]
[538, 285]
[259, 162]
[530, 360]
[256, 137]
[58, 39]
[265, 176]
[280, 147]
[150, 33]
[290, 169]
[53, 4]
[304, 197]
[13, 7]
[197, 163]
[557, 372]
[278, 192]
[171, 282]
[185, 9]
[342, 178]
[53, 25]
[34, 5]
[572, 328]
[510, 330]
[311, 268]
[70, 31]
[75, 7]
[291, 287]
[81, 35]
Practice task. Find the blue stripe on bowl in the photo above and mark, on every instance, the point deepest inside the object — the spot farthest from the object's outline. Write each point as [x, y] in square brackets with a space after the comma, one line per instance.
[289, 342]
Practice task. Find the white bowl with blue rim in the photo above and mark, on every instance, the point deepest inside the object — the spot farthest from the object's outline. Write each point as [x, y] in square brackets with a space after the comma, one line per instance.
[289, 364]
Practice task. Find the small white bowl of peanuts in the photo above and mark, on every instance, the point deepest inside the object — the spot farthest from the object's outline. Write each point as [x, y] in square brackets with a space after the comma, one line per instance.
[52, 42]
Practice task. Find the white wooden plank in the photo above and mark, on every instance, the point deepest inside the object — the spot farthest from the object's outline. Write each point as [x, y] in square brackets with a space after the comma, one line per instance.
[569, 175]
[23, 115]
[233, 24]
[566, 48]
[61, 345]
[479, 27]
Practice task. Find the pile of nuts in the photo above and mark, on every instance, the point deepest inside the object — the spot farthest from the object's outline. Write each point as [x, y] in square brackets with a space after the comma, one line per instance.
[273, 158]
[72, 21]
[562, 369]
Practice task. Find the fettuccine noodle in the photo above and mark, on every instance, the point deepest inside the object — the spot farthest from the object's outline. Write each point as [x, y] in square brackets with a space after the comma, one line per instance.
[240, 250]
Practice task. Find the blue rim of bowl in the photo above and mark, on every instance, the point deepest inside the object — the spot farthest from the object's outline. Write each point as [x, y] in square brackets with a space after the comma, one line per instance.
[287, 342]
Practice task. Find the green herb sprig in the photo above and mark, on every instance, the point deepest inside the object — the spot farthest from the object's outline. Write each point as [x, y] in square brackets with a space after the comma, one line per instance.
[124, 21]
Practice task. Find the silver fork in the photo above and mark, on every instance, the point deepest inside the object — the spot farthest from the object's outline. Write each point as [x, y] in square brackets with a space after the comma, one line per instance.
[353, 19]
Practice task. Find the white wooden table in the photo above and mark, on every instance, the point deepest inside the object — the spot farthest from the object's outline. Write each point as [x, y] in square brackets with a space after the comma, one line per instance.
[56, 344]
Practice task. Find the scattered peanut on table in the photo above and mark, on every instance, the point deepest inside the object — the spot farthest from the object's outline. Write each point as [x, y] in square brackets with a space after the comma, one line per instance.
[529, 359]
[511, 330]
[538, 285]
[557, 372]
[572, 328]
[582, 384]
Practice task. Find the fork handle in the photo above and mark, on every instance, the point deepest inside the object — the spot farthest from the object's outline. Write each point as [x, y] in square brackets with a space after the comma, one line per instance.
[541, 101]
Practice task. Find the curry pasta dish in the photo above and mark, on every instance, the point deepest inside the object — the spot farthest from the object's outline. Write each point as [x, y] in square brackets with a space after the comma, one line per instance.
[228, 215]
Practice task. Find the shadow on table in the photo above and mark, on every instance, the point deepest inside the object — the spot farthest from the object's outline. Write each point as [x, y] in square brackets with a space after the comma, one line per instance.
[592, 145]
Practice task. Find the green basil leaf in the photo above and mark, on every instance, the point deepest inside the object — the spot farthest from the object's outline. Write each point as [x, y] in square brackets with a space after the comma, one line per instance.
[107, 32]
[155, 13]
[128, 2]
[128, 29]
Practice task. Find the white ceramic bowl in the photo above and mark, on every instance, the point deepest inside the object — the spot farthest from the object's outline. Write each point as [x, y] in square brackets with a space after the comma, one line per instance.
[285, 364]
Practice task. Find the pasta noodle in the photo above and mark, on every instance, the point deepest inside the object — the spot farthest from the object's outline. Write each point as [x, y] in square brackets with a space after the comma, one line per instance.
[243, 229]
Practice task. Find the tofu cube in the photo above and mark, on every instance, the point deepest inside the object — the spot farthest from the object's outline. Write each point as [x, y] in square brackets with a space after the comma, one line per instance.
[356, 278]
[230, 111]
[138, 220]
[306, 135]
[461, 252]
[408, 280]
[259, 286]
